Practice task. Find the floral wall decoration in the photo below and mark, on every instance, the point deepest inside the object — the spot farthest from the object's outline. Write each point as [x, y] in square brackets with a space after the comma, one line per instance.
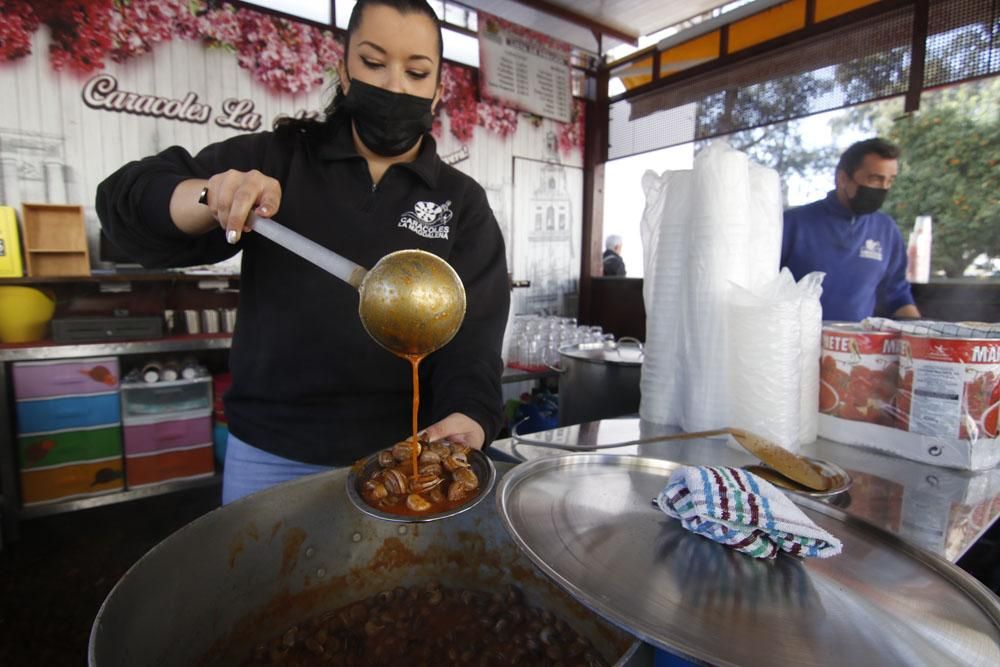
[465, 111]
[460, 101]
[285, 55]
[95, 84]
[571, 134]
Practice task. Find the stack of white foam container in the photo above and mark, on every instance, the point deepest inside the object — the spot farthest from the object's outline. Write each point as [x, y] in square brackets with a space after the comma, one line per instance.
[726, 343]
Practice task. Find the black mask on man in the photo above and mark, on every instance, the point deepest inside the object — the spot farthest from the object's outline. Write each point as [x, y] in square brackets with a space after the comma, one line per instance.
[867, 200]
[388, 123]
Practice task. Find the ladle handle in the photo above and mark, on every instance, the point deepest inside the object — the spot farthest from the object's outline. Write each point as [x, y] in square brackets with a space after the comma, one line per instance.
[323, 257]
[614, 445]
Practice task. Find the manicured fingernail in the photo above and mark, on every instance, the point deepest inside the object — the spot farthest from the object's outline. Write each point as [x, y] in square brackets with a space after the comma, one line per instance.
[232, 236]
[262, 211]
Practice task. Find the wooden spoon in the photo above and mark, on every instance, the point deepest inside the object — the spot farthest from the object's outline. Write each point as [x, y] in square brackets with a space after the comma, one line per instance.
[788, 463]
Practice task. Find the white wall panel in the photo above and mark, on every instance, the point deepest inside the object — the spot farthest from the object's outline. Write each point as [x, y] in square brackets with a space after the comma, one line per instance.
[48, 132]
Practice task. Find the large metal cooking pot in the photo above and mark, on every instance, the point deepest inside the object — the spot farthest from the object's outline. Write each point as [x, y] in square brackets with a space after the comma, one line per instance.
[599, 380]
[246, 572]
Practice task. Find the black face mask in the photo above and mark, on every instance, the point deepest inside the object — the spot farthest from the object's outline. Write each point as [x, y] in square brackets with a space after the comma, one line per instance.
[388, 123]
[867, 200]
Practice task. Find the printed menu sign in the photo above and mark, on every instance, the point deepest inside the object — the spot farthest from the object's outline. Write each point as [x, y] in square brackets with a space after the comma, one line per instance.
[524, 73]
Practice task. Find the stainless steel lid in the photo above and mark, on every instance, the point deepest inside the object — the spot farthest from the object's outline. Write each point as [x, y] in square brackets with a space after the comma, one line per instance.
[587, 521]
[625, 352]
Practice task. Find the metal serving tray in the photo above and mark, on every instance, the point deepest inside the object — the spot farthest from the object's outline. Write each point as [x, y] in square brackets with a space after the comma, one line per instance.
[586, 520]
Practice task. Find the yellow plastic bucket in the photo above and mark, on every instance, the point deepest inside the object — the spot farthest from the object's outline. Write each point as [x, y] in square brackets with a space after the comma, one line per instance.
[24, 313]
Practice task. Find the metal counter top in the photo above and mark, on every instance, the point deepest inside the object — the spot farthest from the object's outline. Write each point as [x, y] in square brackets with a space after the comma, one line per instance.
[942, 510]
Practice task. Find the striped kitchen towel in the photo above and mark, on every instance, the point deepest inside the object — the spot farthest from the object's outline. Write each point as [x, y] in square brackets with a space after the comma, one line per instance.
[741, 510]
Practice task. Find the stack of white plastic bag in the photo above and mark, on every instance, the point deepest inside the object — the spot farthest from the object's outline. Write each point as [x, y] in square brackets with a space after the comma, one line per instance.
[730, 341]
[775, 335]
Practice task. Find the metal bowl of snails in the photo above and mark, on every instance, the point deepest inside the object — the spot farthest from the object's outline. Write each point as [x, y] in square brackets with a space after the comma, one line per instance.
[450, 479]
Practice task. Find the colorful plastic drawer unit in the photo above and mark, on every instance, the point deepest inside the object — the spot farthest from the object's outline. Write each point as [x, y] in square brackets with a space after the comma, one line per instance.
[162, 398]
[162, 436]
[45, 379]
[50, 449]
[169, 466]
[45, 415]
[69, 432]
[66, 482]
[167, 431]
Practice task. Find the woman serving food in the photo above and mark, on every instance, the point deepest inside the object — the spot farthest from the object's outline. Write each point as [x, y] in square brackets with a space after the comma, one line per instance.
[310, 388]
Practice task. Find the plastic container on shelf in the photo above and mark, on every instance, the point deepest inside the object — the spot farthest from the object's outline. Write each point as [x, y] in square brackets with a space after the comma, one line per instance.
[167, 431]
[24, 313]
[166, 397]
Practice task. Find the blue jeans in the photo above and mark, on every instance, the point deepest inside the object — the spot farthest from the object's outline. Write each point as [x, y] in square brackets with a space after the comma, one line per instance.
[249, 470]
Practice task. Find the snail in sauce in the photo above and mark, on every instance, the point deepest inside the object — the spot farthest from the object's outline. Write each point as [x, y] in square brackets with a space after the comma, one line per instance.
[430, 625]
[441, 479]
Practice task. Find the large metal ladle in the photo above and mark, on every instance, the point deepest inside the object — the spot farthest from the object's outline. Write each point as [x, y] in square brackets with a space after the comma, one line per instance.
[412, 302]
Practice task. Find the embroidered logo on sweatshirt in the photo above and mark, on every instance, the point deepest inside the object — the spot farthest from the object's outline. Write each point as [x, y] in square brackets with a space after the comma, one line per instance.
[428, 219]
[872, 249]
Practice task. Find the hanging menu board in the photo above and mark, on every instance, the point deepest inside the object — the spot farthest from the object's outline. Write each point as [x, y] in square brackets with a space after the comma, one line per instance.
[524, 71]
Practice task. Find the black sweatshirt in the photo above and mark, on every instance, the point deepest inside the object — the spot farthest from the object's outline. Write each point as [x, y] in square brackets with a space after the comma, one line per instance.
[309, 384]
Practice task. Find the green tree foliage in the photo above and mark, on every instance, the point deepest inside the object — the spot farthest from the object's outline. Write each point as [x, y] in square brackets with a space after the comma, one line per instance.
[874, 75]
[949, 168]
[780, 145]
[951, 171]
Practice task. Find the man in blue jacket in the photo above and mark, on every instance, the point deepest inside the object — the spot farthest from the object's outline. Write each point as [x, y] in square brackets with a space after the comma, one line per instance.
[845, 236]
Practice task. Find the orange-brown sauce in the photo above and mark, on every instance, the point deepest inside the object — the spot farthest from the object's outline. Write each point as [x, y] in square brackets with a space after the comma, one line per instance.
[432, 501]
[415, 364]
[402, 510]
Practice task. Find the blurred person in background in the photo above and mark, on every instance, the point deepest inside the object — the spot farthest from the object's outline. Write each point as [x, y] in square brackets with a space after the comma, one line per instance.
[845, 236]
[614, 265]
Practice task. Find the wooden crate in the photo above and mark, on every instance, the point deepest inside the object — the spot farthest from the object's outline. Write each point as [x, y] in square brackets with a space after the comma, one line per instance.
[55, 240]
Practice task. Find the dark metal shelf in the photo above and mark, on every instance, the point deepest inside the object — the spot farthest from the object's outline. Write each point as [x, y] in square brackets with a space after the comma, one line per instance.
[123, 277]
[519, 375]
[49, 350]
[49, 509]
